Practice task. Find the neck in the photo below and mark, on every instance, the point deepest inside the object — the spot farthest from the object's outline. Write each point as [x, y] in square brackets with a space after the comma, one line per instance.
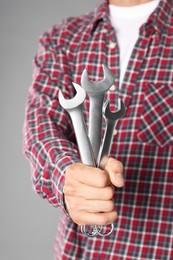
[128, 2]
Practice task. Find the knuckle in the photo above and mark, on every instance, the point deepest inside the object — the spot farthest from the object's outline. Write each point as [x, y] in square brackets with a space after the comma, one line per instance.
[72, 168]
[65, 189]
[110, 205]
[109, 193]
[103, 220]
[74, 204]
[103, 180]
[111, 161]
[106, 219]
[76, 218]
[69, 190]
[68, 174]
[115, 215]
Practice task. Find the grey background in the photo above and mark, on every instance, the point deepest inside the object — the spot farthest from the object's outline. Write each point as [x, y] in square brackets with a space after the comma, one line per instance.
[27, 223]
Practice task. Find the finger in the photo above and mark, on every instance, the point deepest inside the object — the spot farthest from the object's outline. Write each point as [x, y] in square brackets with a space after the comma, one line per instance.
[95, 206]
[88, 175]
[115, 171]
[92, 206]
[85, 218]
[88, 192]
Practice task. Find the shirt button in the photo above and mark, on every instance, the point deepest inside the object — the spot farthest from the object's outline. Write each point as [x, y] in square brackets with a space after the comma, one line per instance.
[104, 31]
[112, 45]
[115, 132]
[112, 88]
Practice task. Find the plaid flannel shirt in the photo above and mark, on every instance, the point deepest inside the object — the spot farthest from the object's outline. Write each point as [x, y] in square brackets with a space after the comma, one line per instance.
[144, 143]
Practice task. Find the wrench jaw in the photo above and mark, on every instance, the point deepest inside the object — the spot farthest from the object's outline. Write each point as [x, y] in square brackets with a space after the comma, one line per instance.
[100, 87]
[74, 102]
[119, 113]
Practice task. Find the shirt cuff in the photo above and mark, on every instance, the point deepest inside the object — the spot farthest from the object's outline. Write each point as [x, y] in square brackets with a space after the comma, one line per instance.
[59, 180]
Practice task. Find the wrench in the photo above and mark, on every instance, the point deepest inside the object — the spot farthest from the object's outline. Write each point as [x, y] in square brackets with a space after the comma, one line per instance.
[111, 121]
[111, 118]
[96, 92]
[74, 107]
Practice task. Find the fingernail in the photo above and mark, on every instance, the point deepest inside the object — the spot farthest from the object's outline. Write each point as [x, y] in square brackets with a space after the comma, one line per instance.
[119, 180]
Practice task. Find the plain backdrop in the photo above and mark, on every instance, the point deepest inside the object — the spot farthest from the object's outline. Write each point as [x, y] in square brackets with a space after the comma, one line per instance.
[27, 222]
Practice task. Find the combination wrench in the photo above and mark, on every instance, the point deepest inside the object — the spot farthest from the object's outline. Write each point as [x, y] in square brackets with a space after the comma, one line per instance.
[111, 121]
[74, 107]
[96, 92]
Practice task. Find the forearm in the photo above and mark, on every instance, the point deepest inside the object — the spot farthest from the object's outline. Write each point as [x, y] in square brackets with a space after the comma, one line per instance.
[49, 141]
[49, 146]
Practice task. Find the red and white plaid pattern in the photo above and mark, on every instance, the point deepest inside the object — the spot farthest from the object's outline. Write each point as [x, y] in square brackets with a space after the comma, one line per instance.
[144, 143]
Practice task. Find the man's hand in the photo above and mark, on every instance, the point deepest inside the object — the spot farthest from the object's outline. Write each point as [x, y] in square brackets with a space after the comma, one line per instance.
[89, 192]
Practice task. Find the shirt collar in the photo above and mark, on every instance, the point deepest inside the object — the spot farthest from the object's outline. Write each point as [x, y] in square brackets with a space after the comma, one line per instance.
[101, 13]
[158, 19]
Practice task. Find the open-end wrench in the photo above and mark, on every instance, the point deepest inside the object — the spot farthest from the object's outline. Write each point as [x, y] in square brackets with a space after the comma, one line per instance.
[111, 121]
[96, 92]
[111, 118]
[74, 107]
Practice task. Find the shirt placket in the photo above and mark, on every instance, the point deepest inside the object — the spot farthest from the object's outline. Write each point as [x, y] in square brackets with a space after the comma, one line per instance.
[113, 62]
[133, 71]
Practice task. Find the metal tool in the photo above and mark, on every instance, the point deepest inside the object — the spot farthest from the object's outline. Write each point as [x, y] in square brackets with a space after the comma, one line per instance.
[74, 107]
[96, 92]
[111, 121]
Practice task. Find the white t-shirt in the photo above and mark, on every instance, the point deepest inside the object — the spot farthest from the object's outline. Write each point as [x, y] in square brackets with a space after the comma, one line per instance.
[127, 22]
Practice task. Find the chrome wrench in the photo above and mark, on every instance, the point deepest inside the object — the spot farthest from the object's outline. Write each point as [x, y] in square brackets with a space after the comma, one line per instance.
[111, 121]
[74, 107]
[96, 92]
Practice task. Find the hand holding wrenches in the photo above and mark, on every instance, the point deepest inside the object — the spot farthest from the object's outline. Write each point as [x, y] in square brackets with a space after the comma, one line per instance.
[89, 146]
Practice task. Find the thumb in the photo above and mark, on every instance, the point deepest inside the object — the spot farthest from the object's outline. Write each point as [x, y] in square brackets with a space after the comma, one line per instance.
[115, 171]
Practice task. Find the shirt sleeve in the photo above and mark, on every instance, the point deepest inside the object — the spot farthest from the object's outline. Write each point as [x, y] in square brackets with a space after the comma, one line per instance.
[48, 138]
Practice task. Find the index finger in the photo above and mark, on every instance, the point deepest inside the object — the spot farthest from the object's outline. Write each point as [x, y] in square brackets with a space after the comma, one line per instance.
[88, 175]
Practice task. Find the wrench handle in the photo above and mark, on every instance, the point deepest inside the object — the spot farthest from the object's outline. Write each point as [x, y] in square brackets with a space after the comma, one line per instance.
[85, 150]
[84, 145]
[107, 140]
[95, 122]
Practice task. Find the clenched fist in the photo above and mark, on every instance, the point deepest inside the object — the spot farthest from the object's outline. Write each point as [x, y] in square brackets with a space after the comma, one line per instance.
[89, 192]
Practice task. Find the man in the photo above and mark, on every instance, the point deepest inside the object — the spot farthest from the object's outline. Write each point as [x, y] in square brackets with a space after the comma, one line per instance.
[135, 40]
